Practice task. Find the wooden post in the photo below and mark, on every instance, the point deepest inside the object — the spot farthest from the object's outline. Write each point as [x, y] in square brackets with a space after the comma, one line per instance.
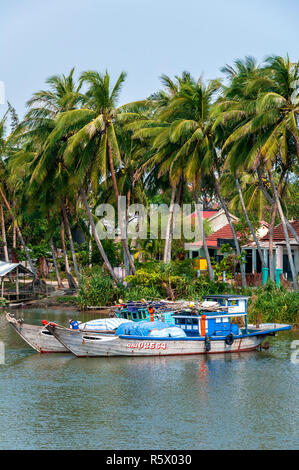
[2, 286]
[17, 283]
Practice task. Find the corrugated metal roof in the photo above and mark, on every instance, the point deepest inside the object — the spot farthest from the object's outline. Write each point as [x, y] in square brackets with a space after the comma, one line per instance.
[6, 268]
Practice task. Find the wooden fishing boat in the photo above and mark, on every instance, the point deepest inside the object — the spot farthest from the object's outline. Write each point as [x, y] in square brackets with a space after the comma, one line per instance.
[204, 332]
[43, 341]
[38, 337]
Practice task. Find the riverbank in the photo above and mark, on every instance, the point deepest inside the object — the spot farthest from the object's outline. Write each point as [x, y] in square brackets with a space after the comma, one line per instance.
[266, 305]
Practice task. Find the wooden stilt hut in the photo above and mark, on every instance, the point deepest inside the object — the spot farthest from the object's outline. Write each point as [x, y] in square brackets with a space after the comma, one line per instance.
[15, 271]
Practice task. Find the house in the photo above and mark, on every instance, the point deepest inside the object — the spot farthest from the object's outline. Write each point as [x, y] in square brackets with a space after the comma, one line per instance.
[280, 255]
[223, 235]
[217, 221]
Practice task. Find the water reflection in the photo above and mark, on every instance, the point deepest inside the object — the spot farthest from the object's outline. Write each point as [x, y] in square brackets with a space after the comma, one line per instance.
[245, 400]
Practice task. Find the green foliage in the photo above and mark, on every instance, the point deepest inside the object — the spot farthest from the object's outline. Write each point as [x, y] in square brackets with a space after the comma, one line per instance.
[175, 280]
[112, 250]
[243, 230]
[203, 286]
[3, 302]
[67, 300]
[97, 289]
[273, 304]
[144, 292]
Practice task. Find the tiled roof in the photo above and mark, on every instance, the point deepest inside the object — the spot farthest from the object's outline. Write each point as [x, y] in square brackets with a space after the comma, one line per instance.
[212, 241]
[206, 214]
[278, 233]
[224, 232]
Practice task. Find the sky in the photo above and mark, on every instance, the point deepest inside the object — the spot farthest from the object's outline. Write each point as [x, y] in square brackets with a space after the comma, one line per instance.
[145, 38]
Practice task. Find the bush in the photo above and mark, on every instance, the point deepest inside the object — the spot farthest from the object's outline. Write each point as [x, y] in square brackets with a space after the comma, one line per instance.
[203, 286]
[139, 293]
[97, 289]
[272, 304]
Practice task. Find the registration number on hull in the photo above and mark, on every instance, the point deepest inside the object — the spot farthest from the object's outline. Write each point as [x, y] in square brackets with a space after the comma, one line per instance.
[139, 346]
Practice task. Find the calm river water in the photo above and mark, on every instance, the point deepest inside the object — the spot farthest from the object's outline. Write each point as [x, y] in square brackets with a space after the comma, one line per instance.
[243, 401]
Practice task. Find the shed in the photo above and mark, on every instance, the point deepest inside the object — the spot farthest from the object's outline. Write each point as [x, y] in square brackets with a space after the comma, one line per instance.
[7, 268]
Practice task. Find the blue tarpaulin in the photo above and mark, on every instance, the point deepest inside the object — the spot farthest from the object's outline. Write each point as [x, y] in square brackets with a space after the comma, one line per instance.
[142, 328]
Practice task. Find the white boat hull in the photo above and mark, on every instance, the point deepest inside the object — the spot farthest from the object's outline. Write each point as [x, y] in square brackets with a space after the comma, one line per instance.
[38, 337]
[95, 345]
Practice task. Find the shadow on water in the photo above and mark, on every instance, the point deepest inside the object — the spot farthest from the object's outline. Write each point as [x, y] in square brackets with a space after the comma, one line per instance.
[58, 401]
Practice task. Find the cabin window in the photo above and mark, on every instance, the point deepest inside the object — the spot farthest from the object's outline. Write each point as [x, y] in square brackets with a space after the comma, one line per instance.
[182, 321]
[233, 303]
[134, 315]
[189, 321]
[176, 321]
[218, 320]
[225, 320]
[195, 323]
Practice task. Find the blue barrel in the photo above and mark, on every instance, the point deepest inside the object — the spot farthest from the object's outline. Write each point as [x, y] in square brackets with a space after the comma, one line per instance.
[278, 274]
[265, 272]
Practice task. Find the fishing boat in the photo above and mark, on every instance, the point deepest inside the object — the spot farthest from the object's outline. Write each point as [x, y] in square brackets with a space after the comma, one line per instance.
[212, 329]
[38, 337]
[150, 311]
[43, 341]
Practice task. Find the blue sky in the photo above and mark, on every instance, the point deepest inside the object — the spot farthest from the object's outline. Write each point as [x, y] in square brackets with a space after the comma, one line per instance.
[146, 38]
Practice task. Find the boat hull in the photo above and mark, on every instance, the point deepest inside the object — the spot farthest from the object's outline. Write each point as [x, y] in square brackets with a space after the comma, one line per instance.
[92, 345]
[38, 337]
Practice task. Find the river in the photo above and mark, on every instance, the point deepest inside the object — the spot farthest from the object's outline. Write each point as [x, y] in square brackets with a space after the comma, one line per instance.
[57, 401]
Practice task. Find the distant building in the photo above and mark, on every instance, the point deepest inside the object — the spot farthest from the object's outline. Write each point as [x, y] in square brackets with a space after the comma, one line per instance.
[280, 256]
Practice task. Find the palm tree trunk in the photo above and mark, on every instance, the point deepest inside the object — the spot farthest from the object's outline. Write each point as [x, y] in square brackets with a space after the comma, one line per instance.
[19, 233]
[224, 207]
[4, 241]
[124, 240]
[94, 232]
[271, 201]
[285, 230]
[199, 208]
[14, 231]
[272, 225]
[60, 285]
[271, 230]
[174, 217]
[70, 279]
[249, 223]
[168, 228]
[70, 237]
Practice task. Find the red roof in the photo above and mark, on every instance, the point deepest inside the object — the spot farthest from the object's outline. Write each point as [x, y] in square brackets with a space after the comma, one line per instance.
[205, 214]
[224, 232]
[278, 233]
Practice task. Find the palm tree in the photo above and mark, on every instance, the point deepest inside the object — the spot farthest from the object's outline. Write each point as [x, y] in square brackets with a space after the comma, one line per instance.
[264, 119]
[94, 148]
[178, 123]
[3, 149]
[48, 174]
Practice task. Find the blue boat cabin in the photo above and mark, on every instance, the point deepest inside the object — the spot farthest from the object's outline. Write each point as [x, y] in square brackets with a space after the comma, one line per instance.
[217, 322]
